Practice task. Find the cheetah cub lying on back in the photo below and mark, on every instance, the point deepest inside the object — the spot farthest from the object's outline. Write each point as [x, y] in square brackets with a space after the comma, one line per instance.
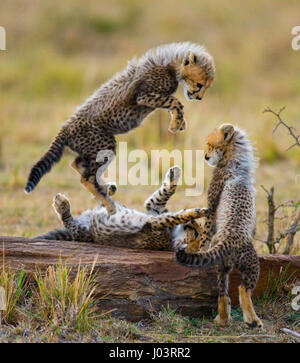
[121, 104]
[157, 230]
[231, 216]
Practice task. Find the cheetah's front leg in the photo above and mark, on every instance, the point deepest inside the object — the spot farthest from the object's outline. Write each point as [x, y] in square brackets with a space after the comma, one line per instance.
[171, 103]
[156, 203]
[169, 220]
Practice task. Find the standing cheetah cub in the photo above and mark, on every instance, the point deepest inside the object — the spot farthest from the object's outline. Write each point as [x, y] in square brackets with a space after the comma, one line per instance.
[121, 104]
[157, 230]
[231, 214]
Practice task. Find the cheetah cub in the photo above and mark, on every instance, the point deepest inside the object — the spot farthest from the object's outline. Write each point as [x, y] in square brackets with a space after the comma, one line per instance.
[157, 229]
[231, 216]
[121, 104]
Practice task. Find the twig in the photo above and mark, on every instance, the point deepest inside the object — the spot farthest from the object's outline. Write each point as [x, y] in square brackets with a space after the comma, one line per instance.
[288, 203]
[105, 313]
[271, 215]
[281, 122]
[291, 232]
[291, 332]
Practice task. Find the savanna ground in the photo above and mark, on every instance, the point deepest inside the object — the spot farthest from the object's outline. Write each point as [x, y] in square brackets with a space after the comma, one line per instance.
[59, 52]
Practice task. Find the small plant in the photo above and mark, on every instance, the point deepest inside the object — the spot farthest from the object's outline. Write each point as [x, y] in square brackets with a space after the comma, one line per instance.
[276, 286]
[63, 301]
[13, 284]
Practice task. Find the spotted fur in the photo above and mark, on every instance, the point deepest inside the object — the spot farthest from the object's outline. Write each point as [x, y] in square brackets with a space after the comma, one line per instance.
[122, 103]
[156, 229]
[231, 215]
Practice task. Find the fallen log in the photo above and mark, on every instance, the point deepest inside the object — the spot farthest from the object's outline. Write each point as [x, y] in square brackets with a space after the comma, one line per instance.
[135, 282]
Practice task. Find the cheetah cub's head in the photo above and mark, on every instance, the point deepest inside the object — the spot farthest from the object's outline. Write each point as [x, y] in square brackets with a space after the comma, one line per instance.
[219, 144]
[197, 73]
[186, 234]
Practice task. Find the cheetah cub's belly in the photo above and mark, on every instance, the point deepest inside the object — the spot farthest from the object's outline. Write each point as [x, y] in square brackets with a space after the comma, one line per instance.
[125, 221]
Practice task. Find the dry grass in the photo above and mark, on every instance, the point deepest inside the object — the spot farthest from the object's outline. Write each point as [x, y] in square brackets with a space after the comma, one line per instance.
[165, 327]
[59, 306]
[64, 300]
[14, 287]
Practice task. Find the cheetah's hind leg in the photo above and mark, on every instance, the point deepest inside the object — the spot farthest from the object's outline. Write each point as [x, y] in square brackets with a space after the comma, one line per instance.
[101, 193]
[156, 203]
[81, 166]
[224, 304]
[62, 207]
[249, 268]
[249, 315]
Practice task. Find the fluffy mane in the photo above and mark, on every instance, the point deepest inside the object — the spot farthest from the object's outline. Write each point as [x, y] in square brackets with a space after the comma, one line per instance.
[243, 153]
[174, 53]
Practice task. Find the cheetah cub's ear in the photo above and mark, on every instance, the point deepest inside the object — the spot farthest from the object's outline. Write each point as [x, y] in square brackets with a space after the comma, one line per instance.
[190, 59]
[228, 131]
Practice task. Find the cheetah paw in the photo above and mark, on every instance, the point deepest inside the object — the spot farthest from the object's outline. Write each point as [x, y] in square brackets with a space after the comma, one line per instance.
[173, 175]
[183, 126]
[177, 125]
[256, 322]
[223, 321]
[61, 203]
[111, 188]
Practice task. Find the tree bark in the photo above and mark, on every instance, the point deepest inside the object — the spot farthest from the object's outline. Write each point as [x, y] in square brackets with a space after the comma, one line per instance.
[136, 282]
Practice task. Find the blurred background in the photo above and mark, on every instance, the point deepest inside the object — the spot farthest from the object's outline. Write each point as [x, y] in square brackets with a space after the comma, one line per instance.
[59, 52]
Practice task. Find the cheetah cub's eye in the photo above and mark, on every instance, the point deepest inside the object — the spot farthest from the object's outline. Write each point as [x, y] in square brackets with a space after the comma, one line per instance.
[199, 85]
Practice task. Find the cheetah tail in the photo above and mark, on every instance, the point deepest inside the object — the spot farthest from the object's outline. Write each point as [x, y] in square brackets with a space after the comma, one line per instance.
[44, 165]
[60, 234]
[199, 259]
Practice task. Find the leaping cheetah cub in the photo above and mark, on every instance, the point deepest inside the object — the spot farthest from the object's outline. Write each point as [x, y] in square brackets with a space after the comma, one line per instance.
[231, 214]
[157, 230]
[121, 104]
